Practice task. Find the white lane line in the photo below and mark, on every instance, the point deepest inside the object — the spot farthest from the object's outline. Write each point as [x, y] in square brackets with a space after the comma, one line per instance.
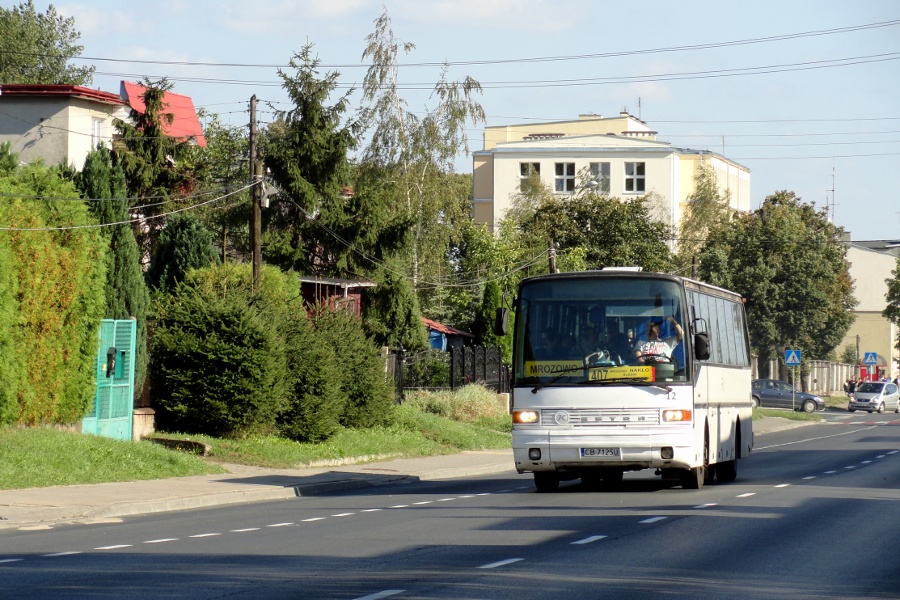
[488, 493]
[399, 506]
[810, 477]
[830, 472]
[893, 451]
[423, 502]
[203, 535]
[161, 540]
[384, 594]
[500, 563]
[280, 525]
[653, 519]
[867, 462]
[314, 519]
[705, 505]
[881, 456]
[245, 530]
[825, 437]
[6, 560]
[467, 496]
[116, 547]
[588, 540]
[446, 499]
[372, 509]
[747, 495]
[343, 514]
[70, 553]
[782, 485]
[851, 467]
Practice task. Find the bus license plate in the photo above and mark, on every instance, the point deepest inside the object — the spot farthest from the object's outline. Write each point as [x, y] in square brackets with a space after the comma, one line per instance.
[601, 453]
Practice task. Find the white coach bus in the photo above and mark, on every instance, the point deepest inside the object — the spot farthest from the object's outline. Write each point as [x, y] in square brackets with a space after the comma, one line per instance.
[622, 370]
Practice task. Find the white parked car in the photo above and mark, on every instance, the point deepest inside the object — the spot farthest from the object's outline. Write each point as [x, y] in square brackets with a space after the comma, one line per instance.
[875, 396]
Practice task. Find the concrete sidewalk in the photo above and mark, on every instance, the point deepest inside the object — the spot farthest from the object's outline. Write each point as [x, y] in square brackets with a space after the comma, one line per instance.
[41, 508]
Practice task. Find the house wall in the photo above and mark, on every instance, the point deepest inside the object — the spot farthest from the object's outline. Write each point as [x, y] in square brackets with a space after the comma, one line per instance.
[55, 128]
[869, 270]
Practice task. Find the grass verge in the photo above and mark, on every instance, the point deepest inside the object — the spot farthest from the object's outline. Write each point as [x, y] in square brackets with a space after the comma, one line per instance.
[40, 457]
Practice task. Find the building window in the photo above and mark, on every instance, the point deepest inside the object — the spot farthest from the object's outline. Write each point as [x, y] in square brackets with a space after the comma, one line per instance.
[565, 177]
[95, 133]
[634, 177]
[527, 171]
[600, 175]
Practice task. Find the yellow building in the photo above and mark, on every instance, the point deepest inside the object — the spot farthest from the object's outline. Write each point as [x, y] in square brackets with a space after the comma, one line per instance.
[619, 155]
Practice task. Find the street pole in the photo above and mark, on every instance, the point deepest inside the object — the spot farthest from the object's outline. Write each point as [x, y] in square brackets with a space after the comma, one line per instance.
[255, 193]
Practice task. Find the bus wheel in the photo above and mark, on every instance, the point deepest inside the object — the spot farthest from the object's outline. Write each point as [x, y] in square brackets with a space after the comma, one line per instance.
[726, 471]
[692, 479]
[545, 481]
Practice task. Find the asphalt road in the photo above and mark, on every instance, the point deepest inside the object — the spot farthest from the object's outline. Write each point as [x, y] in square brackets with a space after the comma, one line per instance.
[815, 513]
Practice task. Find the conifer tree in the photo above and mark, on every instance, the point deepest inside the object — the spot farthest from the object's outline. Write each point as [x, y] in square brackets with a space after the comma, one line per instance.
[103, 184]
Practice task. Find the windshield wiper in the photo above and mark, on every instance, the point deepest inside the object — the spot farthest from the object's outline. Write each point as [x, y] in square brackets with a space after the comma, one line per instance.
[630, 380]
[559, 375]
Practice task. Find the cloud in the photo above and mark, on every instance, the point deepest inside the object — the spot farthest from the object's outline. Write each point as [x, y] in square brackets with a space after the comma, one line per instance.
[93, 21]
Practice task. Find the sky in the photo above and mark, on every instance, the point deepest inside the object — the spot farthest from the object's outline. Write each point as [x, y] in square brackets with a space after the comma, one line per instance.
[806, 94]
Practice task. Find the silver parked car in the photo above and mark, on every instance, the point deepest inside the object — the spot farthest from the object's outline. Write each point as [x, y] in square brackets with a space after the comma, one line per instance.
[875, 396]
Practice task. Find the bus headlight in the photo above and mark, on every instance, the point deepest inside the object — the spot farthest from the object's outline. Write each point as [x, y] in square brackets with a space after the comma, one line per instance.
[525, 416]
[676, 415]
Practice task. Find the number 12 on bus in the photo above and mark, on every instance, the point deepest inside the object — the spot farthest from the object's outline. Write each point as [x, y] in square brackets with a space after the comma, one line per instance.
[621, 370]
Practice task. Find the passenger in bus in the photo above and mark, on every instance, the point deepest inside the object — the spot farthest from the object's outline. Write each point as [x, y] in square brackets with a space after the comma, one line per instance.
[655, 348]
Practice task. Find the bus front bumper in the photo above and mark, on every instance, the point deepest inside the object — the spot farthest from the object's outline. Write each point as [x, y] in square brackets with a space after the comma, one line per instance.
[543, 450]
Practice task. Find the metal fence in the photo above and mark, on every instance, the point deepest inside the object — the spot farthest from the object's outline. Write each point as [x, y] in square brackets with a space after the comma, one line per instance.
[437, 370]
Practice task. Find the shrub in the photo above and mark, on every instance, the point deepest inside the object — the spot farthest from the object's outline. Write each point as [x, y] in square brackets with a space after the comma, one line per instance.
[218, 366]
[369, 397]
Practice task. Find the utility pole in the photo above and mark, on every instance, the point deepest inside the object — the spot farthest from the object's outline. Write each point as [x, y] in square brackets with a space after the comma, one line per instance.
[255, 193]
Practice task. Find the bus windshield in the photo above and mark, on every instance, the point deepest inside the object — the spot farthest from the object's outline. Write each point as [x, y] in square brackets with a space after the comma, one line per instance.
[583, 330]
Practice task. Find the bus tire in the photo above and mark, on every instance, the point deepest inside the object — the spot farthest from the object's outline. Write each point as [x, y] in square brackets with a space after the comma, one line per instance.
[693, 479]
[726, 471]
[545, 481]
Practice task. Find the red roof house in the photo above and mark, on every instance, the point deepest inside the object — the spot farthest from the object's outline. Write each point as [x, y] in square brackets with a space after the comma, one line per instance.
[184, 126]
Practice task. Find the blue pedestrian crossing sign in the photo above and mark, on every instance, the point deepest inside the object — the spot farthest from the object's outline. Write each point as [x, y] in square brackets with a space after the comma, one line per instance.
[871, 358]
[792, 358]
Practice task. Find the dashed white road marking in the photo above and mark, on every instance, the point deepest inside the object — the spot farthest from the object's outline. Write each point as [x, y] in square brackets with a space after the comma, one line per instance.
[782, 485]
[379, 595]
[310, 520]
[9, 560]
[371, 509]
[246, 529]
[280, 525]
[445, 499]
[653, 519]
[850, 467]
[746, 495]
[116, 547]
[423, 502]
[161, 540]
[343, 514]
[707, 505]
[399, 506]
[830, 472]
[810, 477]
[500, 563]
[590, 539]
[204, 535]
[62, 554]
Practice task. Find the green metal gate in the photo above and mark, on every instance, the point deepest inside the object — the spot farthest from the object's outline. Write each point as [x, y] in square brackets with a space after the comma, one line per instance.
[114, 401]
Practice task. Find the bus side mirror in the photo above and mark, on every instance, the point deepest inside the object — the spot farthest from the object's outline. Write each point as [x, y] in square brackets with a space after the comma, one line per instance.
[501, 321]
[701, 346]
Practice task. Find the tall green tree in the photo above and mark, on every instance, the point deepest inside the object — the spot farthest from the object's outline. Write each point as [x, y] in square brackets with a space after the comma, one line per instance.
[55, 263]
[183, 245]
[393, 316]
[416, 154]
[788, 261]
[592, 231]
[306, 151]
[156, 166]
[707, 208]
[892, 310]
[127, 296]
[36, 48]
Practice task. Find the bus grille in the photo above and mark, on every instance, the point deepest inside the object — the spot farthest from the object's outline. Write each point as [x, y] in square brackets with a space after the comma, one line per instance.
[584, 417]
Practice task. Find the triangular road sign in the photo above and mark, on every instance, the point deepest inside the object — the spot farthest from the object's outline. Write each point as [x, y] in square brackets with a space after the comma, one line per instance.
[792, 358]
